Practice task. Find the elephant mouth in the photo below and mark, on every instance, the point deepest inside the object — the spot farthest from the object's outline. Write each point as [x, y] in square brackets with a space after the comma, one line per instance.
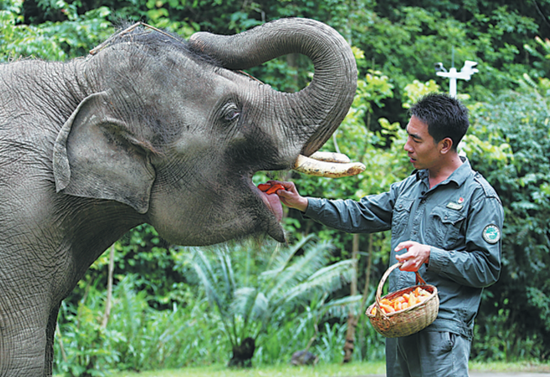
[273, 203]
[323, 164]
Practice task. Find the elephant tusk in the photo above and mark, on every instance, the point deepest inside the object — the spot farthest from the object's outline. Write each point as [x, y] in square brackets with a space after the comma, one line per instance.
[331, 157]
[310, 166]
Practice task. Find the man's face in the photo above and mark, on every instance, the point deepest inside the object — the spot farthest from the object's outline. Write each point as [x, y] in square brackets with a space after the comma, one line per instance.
[421, 147]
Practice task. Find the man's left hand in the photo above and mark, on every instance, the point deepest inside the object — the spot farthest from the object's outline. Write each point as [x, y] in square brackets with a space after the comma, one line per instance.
[416, 255]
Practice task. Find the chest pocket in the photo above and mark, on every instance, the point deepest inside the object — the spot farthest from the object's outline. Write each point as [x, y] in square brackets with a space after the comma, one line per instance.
[401, 214]
[445, 227]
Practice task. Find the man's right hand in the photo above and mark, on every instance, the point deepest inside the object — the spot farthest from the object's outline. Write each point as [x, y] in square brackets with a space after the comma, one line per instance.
[290, 196]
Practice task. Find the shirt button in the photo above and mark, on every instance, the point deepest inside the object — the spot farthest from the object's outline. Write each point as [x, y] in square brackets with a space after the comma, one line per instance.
[446, 217]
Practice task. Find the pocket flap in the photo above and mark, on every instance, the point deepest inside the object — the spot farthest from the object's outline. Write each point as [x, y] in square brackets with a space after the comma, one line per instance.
[403, 205]
[448, 216]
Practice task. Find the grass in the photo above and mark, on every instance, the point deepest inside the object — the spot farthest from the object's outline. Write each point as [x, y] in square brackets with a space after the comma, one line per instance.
[325, 370]
[320, 370]
[516, 367]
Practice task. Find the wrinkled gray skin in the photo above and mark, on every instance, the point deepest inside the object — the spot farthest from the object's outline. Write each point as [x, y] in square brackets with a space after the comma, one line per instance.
[144, 131]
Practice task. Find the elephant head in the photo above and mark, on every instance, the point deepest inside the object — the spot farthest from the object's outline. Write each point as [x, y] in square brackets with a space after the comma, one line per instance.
[175, 131]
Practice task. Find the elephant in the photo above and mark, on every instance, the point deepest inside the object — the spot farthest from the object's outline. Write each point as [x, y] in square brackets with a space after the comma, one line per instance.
[147, 128]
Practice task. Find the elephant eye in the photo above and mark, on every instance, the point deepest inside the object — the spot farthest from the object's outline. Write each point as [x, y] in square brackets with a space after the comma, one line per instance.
[230, 112]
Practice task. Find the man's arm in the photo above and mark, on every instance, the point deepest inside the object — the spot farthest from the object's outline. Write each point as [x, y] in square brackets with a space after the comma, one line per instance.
[371, 214]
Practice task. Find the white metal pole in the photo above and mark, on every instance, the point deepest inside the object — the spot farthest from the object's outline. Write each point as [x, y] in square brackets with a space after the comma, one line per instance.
[452, 82]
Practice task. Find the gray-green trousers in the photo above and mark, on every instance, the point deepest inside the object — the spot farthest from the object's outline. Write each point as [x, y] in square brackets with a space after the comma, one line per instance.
[428, 354]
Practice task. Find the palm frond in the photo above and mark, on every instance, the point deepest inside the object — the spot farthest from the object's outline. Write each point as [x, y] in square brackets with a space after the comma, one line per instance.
[343, 306]
[227, 273]
[204, 270]
[344, 269]
[299, 269]
[198, 256]
[247, 306]
[213, 288]
[251, 304]
[325, 279]
[283, 259]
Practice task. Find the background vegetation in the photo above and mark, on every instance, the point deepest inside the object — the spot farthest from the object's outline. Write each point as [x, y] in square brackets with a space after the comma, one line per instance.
[164, 316]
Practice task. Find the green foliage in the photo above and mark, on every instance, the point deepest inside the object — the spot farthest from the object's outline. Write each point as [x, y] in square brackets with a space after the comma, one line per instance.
[288, 302]
[52, 40]
[401, 39]
[251, 299]
[498, 337]
[145, 255]
[137, 337]
[517, 163]
[414, 91]
[81, 343]
[405, 39]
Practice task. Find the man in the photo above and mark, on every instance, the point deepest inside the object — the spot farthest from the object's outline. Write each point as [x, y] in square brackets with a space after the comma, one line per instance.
[445, 221]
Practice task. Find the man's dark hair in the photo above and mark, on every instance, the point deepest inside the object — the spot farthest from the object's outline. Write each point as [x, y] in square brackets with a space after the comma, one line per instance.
[445, 116]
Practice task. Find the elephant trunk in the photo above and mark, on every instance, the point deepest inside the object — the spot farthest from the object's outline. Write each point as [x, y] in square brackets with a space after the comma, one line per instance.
[316, 110]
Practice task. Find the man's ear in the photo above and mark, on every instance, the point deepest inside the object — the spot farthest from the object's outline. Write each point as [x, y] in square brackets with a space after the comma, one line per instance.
[445, 145]
[95, 156]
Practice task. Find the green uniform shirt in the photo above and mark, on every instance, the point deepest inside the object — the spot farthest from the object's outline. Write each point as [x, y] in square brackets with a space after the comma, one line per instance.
[460, 218]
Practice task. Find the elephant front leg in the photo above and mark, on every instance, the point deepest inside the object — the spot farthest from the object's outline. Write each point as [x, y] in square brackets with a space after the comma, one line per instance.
[23, 340]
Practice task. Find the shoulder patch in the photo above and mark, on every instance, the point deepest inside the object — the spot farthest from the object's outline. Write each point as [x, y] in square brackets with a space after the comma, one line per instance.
[491, 234]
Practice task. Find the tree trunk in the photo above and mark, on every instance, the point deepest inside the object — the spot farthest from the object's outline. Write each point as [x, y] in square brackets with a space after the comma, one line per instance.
[60, 341]
[367, 279]
[352, 318]
[108, 302]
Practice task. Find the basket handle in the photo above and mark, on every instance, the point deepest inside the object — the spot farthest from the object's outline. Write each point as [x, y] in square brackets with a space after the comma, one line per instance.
[419, 281]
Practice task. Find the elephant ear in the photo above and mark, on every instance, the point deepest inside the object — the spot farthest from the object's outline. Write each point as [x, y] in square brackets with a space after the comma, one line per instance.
[95, 156]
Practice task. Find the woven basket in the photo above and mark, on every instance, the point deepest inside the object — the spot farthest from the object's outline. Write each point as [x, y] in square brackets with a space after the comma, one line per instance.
[407, 321]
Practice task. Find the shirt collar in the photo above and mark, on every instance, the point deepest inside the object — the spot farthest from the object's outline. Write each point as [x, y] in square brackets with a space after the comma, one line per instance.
[459, 176]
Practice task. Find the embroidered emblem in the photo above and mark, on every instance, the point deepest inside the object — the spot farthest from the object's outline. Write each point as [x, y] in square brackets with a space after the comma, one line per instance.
[455, 206]
[491, 234]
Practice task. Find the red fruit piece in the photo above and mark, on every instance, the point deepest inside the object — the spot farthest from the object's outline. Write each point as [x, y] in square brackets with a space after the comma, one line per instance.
[276, 187]
[264, 186]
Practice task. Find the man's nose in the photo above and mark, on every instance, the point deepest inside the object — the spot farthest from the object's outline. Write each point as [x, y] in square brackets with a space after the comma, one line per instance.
[407, 147]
